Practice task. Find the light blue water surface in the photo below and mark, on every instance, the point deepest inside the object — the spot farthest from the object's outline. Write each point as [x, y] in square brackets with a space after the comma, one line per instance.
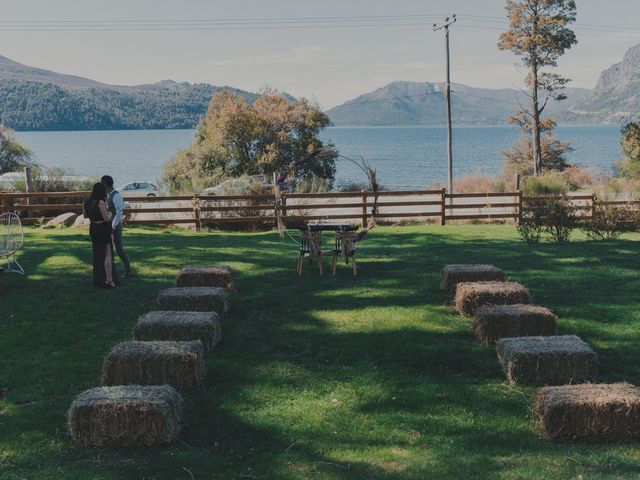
[405, 157]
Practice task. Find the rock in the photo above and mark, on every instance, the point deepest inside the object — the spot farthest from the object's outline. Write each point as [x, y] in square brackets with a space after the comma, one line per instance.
[81, 222]
[65, 219]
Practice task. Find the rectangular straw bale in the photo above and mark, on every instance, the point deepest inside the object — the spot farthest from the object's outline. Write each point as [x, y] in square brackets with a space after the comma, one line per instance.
[195, 299]
[493, 322]
[451, 275]
[179, 364]
[556, 360]
[180, 327]
[207, 276]
[471, 296]
[126, 416]
[589, 413]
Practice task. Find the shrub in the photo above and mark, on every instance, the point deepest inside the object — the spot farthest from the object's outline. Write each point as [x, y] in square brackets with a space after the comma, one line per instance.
[476, 183]
[623, 185]
[519, 158]
[550, 184]
[530, 231]
[560, 219]
[310, 185]
[611, 221]
[552, 215]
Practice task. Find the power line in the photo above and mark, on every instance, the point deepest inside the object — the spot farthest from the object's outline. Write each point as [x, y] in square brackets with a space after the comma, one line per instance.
[217, 24]
[173, 29]
[225, 20]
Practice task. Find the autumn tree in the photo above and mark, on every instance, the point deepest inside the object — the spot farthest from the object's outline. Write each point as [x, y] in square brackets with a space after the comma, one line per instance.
[234, 139]
[630, 146]
[13, 156]
[538, 33]
[519, 159]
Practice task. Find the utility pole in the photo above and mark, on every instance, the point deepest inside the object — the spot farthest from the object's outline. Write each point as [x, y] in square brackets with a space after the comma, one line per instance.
[445, 26]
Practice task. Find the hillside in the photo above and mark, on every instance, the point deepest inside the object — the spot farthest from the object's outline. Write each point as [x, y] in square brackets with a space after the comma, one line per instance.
[616, 97]
[36, 99]
[413, 103]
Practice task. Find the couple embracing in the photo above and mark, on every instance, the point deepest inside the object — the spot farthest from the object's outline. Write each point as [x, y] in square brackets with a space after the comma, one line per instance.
[104, 209]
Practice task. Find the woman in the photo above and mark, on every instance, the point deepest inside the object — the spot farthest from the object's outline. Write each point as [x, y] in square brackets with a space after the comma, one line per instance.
[95, 209]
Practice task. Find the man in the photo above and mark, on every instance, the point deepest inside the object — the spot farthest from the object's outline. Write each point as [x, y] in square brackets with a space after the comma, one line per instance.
[115, 204]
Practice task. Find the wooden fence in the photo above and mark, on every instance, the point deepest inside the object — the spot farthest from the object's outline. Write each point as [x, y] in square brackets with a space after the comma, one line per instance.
[296, 208]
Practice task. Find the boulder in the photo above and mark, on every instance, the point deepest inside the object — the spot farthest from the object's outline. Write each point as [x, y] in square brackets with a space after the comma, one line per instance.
[65, 219]
[81, 222]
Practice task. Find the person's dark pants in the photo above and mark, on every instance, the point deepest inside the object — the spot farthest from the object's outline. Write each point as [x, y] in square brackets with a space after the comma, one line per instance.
[117, 242]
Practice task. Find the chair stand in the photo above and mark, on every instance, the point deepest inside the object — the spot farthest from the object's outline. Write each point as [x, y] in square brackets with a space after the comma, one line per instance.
[13, 266]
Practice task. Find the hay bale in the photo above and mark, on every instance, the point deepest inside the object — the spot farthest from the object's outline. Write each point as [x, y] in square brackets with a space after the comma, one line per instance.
[493, 322]
[452, 275]
[178, 364]
[125, 416]
[537, 361]
[180, 327]
[471, 296]
[589, 413]
[207, 276]
[195, 299]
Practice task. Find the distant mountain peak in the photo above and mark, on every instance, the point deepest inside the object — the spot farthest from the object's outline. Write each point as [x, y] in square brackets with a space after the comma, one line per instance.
[616, 97]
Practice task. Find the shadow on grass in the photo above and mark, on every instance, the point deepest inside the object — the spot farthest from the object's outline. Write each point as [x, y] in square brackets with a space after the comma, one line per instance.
[365, 377]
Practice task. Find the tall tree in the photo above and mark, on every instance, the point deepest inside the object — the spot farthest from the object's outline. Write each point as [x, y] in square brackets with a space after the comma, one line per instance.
[538, 33]
[12, 155]
[234, 138]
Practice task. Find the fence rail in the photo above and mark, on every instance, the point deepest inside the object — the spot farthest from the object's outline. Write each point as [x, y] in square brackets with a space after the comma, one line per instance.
[295, 208]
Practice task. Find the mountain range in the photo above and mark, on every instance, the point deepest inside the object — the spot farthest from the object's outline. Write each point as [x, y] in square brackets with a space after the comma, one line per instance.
[615, 99]
[424, 103]
[37, 99]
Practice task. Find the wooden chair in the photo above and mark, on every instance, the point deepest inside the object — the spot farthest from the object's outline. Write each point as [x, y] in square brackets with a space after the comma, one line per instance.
[346, 246]
[310, 248]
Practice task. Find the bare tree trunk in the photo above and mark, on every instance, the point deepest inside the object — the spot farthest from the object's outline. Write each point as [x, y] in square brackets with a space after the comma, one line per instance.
[535, 112]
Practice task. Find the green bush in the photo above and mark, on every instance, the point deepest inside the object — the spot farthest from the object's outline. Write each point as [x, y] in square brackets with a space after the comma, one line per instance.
[553, 216]
[560, 219]
[611, 221]
[550, 184]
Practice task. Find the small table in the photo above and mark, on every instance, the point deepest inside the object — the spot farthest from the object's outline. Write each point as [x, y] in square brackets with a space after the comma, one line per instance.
[329, 227]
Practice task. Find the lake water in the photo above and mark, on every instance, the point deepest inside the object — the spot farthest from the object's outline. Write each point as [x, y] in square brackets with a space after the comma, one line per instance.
[405, 157]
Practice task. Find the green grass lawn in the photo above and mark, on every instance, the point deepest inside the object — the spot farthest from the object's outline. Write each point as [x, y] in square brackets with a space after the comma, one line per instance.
[368, 377]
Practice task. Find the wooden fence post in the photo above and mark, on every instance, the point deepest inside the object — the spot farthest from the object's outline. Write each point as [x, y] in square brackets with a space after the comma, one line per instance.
[443, 202]
[364, 209]
[519, 217]
[196, 212]
[28, 180]
[283, 205]
[592, 210]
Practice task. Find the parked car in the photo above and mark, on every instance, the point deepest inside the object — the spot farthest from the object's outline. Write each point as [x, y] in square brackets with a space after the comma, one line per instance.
[237, 186]
[139, 189]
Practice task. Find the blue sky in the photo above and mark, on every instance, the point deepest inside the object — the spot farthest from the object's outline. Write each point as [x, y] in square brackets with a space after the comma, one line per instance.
[330, 65]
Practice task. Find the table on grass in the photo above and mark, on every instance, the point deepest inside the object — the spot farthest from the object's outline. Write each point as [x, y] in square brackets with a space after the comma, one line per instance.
[306, 249]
